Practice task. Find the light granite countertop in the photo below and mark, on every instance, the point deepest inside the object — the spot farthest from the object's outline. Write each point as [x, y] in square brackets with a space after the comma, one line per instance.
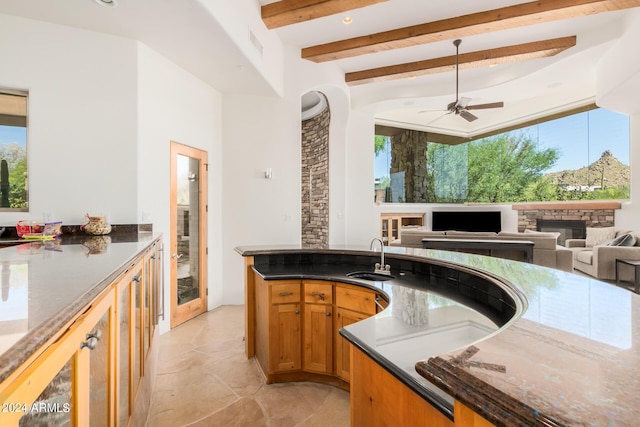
[567, 354]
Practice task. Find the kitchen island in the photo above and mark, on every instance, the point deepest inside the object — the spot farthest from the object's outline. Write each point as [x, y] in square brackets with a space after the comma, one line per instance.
[78, 320]
[528, 345]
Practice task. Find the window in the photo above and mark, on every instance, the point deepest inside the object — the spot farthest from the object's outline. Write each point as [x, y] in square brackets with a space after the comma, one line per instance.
[13, 150]
[579, 156]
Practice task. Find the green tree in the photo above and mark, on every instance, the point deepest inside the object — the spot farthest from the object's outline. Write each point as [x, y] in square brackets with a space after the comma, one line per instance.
[503, 166]
[498, 169]
[17, 185]
[379, 144]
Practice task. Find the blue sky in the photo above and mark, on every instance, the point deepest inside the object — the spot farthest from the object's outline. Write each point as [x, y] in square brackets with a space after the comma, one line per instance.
[9, 134]
[608, 131]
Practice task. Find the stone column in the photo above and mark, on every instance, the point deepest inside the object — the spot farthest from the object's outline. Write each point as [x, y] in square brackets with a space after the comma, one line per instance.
[409, 155]
[315, 179]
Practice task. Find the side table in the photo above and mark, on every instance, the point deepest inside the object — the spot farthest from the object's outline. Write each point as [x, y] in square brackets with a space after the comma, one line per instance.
[636, 272]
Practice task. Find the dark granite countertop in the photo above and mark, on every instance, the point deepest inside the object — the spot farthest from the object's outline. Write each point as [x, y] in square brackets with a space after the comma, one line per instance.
[44, 284]
[569, 355]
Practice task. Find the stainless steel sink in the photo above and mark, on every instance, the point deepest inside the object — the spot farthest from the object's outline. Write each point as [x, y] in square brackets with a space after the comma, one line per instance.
[370, 275]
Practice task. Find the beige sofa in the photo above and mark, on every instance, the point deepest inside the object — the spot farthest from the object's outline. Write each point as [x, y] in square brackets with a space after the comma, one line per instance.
[546, 251]
[599, 259]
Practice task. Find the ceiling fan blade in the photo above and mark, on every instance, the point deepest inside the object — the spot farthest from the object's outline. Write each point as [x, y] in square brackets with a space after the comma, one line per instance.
[485, 106]
[431, 111]
[438, 118]
[463, 102]
[467, 115]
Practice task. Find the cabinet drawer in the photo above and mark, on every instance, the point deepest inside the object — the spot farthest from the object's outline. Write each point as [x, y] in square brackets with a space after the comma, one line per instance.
[356, 299]
[318, 292]
[285, 292]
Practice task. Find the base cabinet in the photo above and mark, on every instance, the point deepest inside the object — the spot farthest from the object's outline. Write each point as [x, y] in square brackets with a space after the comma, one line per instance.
[284, 330]
[90, 373]
[344, 318]
[296, 327]
[58, 388]
[380, 399]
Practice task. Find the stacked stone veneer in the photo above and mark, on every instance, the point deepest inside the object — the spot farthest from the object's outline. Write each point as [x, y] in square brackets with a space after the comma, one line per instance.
[409, 154]
[592, 217]
[315, 175]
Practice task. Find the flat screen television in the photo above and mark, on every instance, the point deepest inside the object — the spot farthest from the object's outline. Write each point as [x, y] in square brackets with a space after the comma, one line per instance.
[466, 221]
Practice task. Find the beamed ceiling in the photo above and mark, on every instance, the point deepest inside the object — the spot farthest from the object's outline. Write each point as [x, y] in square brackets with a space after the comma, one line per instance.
[397, 56]
[538, 57]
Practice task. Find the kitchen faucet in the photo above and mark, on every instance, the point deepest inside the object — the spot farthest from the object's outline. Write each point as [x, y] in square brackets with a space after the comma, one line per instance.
[381, 267]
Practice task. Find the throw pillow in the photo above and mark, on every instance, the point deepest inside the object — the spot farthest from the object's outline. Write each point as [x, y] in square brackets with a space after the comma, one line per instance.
[600, 235]
[624, 240]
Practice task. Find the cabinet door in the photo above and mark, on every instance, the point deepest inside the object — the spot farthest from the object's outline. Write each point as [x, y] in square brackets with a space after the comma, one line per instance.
[285, 338]
[128, 348]
[343, 355]
[318, 338]
[68, 384]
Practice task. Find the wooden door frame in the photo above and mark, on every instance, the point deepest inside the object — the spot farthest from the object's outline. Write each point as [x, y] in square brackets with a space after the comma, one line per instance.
[199, 305]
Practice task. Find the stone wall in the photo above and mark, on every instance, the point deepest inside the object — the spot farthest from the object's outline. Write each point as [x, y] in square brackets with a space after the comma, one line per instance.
[315, 180]
[594, 214]
[409, 154]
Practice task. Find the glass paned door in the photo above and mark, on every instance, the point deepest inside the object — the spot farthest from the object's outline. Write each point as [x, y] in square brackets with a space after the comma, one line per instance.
[188, 234]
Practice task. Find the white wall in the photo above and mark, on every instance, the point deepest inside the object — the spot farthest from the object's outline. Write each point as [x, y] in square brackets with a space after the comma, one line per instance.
[264, 132]
[629, 216]
[258, 133]
[82, 119]
[173, 105]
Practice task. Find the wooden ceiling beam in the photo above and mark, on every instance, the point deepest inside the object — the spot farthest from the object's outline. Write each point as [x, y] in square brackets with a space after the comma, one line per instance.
[287, 12]
[519, 15]
[481, 58]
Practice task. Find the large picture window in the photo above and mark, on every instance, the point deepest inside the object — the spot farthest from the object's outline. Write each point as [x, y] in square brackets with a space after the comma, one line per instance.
[13, 151]
[582, 156]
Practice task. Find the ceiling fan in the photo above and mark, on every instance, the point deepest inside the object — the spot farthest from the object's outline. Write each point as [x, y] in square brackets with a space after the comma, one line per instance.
[460, 107]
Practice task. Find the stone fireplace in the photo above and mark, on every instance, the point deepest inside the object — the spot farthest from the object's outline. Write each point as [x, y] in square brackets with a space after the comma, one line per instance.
[569, 218]
[568, 228]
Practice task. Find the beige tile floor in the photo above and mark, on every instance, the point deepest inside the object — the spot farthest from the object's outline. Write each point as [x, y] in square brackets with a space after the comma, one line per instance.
[204, 379]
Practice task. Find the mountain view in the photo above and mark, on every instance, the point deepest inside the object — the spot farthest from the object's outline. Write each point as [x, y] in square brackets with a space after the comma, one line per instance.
[606, 172]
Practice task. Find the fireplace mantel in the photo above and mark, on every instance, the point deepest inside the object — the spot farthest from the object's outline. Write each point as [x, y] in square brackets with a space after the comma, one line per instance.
[594, 213]
[558, 206]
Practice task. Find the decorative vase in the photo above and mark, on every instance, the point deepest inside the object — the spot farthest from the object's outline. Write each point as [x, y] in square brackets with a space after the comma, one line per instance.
[97, 226]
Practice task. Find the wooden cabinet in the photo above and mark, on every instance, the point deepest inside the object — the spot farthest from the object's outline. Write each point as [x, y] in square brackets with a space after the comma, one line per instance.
[344, 318]
[391, 225]
[66, 383]
[91, 371]
[318, 327]
[380, 399]
[353, 304]
[285, 339]
[296, 323]
[278, 322]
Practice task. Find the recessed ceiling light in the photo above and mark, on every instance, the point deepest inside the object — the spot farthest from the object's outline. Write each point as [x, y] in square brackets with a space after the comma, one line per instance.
[411, 77]
[107, 3]
[347, 20]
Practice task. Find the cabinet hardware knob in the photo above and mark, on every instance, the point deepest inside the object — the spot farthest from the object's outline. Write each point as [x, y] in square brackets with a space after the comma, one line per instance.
[328, 314]
[297, 311]
[137, 278]
[90, 343]
[97, 334]
[285, 294]
[318, 294]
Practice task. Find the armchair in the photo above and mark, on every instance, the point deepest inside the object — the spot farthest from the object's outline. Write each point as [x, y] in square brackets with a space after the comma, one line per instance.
[599, 260]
